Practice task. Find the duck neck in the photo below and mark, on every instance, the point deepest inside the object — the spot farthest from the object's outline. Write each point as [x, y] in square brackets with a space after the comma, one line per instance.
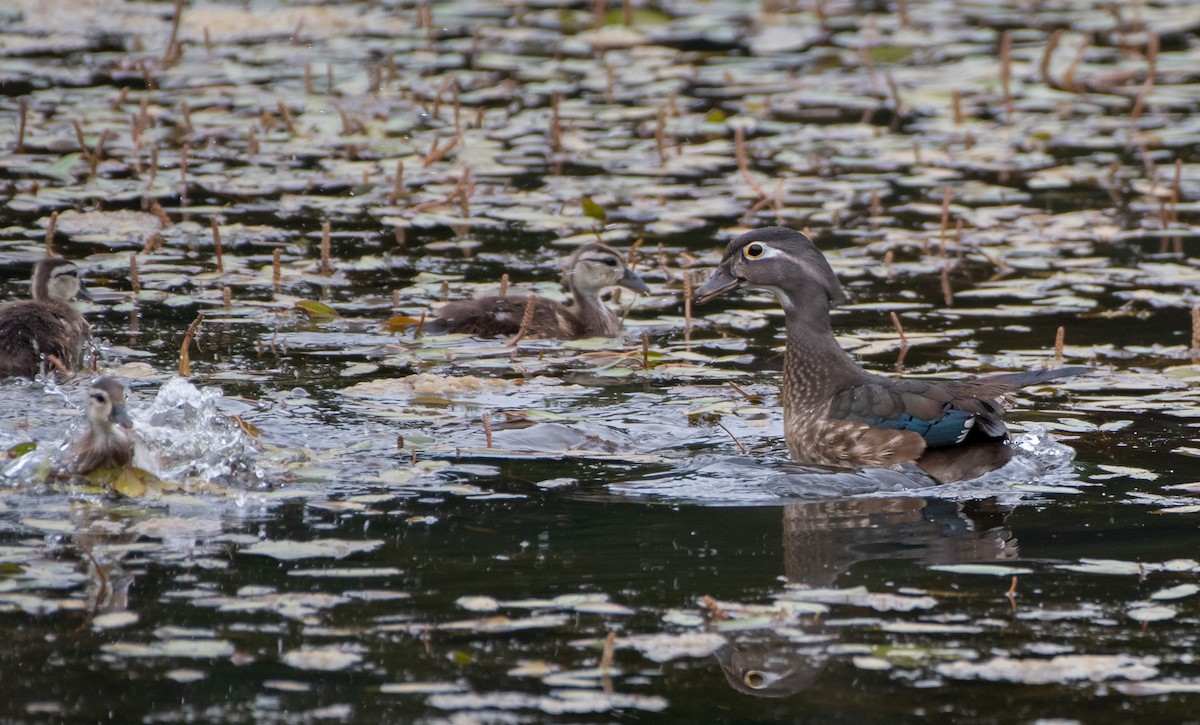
[814, 365]
[597, 319]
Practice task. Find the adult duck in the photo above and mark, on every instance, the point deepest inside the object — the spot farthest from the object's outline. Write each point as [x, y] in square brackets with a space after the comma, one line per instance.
[834, 412]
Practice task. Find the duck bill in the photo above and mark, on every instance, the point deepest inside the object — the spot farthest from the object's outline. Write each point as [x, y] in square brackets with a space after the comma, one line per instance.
[719, 283]
[120, 416]
[84, 294]
[632, 281]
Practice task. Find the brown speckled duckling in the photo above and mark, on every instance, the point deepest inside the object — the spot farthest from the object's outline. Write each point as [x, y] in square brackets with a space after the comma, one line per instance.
[107, 442]
[834, 412]
[48, 324]
[589, 271]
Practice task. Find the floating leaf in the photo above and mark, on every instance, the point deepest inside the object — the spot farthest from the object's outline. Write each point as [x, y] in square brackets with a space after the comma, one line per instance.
[316, 310]
[594, 210]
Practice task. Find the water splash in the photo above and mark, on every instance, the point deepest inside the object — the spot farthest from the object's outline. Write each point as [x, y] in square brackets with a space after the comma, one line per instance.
[191, 438]
[1038, 460]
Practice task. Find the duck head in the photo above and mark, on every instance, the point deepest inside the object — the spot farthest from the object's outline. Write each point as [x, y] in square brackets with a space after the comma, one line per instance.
[106, 404]
[596, 266]
[777, 259]
[57, 279]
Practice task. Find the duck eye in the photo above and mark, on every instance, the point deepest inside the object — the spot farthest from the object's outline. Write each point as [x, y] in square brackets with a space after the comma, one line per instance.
[754, 251]
[755, 680]
[610, 261]
[98, 397]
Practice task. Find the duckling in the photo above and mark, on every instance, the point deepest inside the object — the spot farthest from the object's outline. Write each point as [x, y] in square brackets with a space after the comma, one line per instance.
[107, 442]
[592, 268]
[47, 324]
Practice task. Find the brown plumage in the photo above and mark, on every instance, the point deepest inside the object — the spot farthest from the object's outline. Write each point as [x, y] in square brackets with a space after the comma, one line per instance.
[107, 442]
[588, 272]
[834, 412]
[48, 324]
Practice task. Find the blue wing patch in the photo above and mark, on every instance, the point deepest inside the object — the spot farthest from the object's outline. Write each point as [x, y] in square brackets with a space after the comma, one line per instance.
[949, 430]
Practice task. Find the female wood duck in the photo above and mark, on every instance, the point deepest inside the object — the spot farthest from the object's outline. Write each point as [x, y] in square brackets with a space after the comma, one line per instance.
[591, 269]
[47, 324]
[107, 442]
[834, 412]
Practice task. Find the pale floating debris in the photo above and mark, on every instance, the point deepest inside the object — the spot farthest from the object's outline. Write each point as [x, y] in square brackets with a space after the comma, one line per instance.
[199, 649]
[558, 703]
[1120, 567]
[1105, 566]
[1176, 592]
[1194, 508]
[174, 527]
[682, 618]
[860, 597]
[376, 595]
[664, 647]
[497, 624]
[287, 685]
[984, 569]
[1151, 614]
[293, 605]
[929, 628]
[348, 573]
[1085, 611]
[324, 659]
[114, 620]
[552, 483]
[287, 550]
[425, 384]
[871, 663]
[420, 688]
[1140, 474]
[478, 603]
[537, 668]
[185, 675]
[1063, 668]
[1158, 687]
[602, 608]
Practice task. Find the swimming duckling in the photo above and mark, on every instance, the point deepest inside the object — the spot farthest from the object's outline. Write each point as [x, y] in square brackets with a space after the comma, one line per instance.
[107, 442]
[591, 269]
[48, 324]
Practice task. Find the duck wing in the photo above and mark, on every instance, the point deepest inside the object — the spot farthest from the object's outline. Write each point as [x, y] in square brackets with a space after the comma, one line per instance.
[943, 413]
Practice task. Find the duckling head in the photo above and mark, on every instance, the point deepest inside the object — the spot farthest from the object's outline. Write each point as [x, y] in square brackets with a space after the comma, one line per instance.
[596, 266]
[57, 279]
[106, 405]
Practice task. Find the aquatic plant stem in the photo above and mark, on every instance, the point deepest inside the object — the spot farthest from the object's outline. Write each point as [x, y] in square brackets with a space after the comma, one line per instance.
[216, 235]
[1139, 105]
[50, 228]
[326, 234]
[22, 115]
[185, 359]
[526, 320]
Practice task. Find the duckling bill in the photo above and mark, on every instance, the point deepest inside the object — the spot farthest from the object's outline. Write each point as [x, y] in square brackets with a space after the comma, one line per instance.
[107, 443]
[588, 272]
[835, 413]
[46, 325]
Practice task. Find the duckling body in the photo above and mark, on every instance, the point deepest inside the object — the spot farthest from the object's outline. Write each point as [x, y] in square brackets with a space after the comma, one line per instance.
[588, 272]
[48, 324]
[836, 413]
[107, 443]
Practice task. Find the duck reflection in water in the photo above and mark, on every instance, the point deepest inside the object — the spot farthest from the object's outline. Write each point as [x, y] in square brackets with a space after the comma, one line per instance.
[823, 539]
